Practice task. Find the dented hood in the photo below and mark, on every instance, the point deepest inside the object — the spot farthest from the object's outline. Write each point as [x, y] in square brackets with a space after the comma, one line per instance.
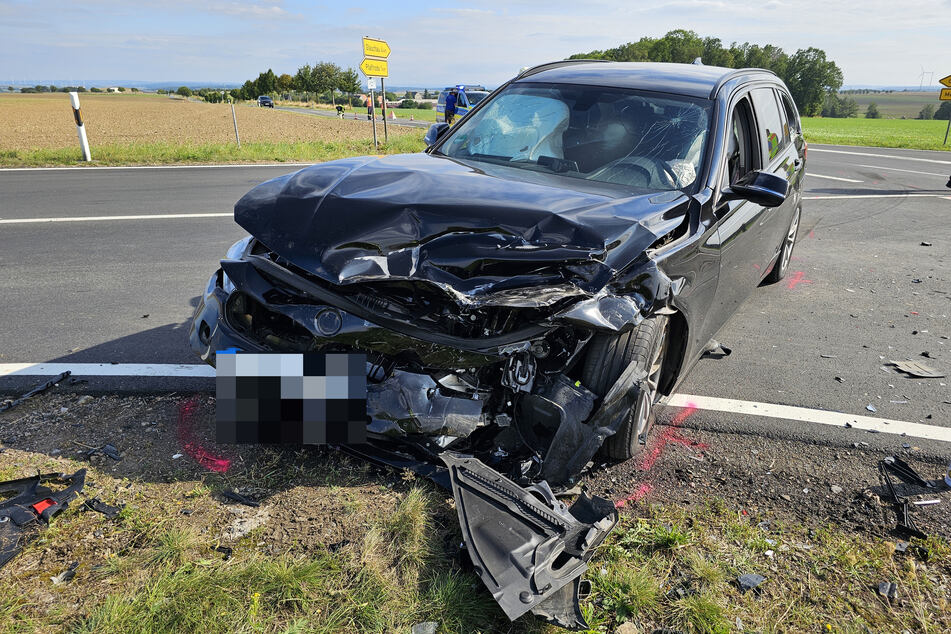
[473, 231]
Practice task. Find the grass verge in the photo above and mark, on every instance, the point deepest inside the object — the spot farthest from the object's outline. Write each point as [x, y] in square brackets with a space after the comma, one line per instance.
[894, 133]
[170, 154]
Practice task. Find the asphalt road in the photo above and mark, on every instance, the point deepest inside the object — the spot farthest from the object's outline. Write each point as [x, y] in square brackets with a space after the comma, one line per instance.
[862, 290]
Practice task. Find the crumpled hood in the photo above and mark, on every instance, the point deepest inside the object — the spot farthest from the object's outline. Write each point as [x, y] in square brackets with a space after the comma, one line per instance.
[470, 232]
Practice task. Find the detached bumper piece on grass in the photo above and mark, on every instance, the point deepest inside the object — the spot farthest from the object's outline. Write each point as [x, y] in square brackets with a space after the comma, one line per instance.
[30, 503]
[528, 548]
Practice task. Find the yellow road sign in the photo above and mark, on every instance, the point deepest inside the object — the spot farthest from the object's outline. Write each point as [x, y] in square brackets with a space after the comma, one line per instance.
[375, 67]
[945, 94]
[379, 48]
[945, 81]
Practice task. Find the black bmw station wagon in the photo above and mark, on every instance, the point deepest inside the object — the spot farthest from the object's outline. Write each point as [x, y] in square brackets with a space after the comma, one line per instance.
[527, 289]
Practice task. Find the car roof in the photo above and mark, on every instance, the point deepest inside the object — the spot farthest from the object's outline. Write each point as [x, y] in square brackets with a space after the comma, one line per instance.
[694, 80]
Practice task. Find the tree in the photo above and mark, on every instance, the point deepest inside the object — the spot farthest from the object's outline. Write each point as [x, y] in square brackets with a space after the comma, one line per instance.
[285, 82]
[810, 76]
[349, 83]
[871, 112]
[943, 112]
[121, 89]
[927, 112]
[839, 107]
[184, 91]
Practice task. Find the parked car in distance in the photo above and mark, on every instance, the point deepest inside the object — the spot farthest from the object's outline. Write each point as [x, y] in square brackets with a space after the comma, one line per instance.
[528, 289]
[265, 102]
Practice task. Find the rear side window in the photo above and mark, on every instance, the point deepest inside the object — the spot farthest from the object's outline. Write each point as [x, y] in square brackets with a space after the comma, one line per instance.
[442, 98]
[791, 113]
[769, 121]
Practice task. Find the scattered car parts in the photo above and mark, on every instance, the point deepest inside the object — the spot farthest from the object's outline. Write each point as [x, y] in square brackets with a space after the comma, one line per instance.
[529, 548]
[42, 387]
[31, 502]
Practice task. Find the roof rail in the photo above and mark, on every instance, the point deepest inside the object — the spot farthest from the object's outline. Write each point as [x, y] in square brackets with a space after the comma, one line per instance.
[565, 62]
[736, 73]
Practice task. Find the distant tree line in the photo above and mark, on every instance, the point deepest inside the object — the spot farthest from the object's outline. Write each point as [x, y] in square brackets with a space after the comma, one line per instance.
[808, 73]
[322, 81]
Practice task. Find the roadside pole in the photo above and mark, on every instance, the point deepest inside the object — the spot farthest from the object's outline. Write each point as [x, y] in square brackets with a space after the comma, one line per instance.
[371, 86]
[948, 129]
[235, 120]
[386, 138]
[80, 128]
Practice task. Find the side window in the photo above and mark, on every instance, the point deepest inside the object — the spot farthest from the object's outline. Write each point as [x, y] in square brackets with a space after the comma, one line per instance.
[791, 113]
[742, 153]
[769, 121]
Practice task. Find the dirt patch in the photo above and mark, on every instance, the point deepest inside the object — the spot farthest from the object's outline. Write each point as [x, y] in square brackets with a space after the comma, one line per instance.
[46, 121]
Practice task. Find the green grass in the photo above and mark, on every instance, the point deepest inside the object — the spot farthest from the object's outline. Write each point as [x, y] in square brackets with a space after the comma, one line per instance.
[894, 133]
[166, 153]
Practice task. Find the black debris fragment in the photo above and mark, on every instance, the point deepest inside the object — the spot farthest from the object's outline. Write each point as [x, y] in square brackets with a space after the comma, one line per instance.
[95, 504]
[904, 471]
[28, 501]
[888, 589]
[716, 350]
[749, 581]
[906, 524]
[42, 387]
[925, 244]
[111, 451]
[66, 575]
[237, 497]
[227, 551]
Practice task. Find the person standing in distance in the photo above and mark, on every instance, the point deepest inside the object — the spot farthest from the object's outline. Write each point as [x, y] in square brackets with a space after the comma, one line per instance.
[451, 106]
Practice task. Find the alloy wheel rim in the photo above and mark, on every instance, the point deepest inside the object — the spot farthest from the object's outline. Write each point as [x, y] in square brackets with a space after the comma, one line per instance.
[647, 399]
[790, 240]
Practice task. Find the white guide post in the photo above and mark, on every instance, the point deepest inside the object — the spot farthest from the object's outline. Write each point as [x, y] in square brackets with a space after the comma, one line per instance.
[80, 128]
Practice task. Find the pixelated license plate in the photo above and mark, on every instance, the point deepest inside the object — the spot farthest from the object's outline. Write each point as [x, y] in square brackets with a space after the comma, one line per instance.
[308, 398]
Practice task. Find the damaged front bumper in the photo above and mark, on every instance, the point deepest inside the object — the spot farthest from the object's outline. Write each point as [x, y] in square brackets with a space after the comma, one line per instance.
[501, 408]
[529, 548]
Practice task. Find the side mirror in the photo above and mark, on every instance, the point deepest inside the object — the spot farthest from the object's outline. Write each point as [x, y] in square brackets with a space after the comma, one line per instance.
[758, 187]
[434, 133]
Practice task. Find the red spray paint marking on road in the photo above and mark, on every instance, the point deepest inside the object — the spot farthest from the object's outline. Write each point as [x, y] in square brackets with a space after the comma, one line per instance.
[669, 435]
[191, 444]
[797, 279]
[812, 234]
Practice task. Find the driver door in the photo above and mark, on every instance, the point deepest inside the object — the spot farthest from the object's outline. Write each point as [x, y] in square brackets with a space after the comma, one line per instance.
[741, 239]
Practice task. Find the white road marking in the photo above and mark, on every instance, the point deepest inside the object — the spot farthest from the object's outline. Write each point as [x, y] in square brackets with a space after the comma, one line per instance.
[822, 417]
[874, 196]
[895, 169]
[108, 369]
[832, 178]
[710, 403]
[149, 167]
[23, 221]
[888, 156]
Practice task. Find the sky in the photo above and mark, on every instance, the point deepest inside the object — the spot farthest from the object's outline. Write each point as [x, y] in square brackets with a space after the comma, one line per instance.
[875, 42]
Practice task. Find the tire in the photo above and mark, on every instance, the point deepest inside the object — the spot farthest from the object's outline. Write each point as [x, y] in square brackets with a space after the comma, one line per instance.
[785, 252]
[608, 355]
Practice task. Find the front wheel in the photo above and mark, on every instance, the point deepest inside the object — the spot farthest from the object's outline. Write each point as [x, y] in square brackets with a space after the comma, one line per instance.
[608, 356]
[785, 252]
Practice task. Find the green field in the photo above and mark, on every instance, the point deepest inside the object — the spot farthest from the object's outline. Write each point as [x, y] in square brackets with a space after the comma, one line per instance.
[896, 133]
[895, 105]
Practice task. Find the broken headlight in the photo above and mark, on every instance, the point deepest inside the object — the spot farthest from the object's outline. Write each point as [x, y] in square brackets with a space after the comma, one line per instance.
[235, 252]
